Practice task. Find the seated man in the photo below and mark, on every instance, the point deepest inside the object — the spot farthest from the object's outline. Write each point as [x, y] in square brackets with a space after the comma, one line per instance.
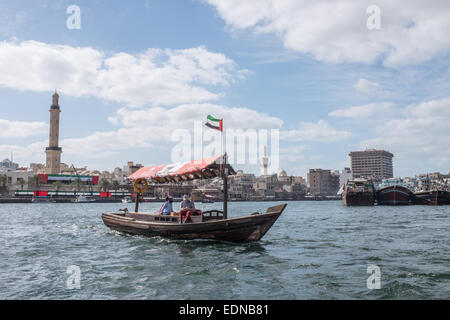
[167, 207]
[187, 208]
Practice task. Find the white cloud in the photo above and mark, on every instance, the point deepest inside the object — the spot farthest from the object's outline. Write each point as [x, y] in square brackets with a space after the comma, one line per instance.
[422, 135]
[433, 108]
[412, 31]
[293, 153]
[365, 111]
[156, 76]
[143, 128]
[310, 131]
[183, 116]
[33, 152]
[368, 87]
[19, 129]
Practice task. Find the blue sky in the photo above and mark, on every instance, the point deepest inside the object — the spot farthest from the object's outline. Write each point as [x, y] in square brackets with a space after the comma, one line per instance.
[318, 74]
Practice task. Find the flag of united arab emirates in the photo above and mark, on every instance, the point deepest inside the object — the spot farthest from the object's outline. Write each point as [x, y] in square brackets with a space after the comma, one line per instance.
[214, 123]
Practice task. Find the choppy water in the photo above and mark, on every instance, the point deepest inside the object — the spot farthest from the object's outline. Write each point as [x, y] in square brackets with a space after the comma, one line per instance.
[316, 250]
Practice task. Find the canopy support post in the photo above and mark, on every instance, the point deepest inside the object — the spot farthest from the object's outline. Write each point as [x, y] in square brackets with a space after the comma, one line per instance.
[136, 208]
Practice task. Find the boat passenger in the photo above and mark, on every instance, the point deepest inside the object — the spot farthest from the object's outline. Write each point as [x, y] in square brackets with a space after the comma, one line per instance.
[187, 208]
[186, 203]
[167, 207]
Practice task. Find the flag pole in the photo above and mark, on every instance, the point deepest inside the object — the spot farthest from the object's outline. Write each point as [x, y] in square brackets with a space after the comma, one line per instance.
[225, 176]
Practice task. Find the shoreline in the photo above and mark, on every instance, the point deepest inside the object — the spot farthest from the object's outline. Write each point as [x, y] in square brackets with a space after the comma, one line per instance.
[119, 200]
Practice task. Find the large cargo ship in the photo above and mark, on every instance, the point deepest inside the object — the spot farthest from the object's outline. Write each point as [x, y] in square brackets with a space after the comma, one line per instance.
[359, 192]
[393, 192]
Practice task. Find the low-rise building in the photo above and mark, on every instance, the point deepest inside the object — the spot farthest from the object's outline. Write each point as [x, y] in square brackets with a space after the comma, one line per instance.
[322, 182]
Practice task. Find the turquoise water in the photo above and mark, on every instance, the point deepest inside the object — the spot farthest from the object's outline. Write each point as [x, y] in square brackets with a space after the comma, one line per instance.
[316, 250]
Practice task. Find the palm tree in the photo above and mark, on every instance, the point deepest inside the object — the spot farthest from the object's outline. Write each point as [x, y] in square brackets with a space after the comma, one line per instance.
[78, 184]
[3, 180]
[115, 185]
[21, 182]
[34, 180]
[58, 185]
[105, 185]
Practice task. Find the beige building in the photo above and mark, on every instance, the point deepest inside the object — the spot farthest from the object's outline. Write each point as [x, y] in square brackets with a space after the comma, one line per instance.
[323, 182]
[372, 164]
[131, 168]
[53, 151]
[17, 179]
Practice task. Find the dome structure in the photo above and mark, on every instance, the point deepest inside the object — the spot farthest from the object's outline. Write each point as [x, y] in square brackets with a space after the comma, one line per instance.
[282, 174]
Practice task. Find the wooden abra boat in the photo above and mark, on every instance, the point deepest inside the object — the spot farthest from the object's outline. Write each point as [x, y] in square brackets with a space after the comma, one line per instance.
[213, 224]
[209, 225]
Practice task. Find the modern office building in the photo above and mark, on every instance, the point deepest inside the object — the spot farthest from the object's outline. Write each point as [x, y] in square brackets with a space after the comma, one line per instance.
[372, 163]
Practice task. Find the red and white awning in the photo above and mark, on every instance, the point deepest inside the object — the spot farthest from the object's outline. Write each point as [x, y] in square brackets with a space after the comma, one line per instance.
[176, 172]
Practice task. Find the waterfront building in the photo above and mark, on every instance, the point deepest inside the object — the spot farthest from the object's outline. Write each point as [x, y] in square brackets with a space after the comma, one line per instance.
[213, 193]
[47, 180]
[17, 179]
[131, 168]
[283, 177]
[173, 189]
[53, 151]
[241, 185]
[37, 167]
[371, 163]
[322, 182]
[264, 190]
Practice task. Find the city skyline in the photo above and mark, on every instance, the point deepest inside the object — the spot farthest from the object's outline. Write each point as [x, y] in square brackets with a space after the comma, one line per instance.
[122, 96]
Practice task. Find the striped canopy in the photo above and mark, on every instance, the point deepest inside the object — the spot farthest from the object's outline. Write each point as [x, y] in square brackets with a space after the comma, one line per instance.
[177, 172]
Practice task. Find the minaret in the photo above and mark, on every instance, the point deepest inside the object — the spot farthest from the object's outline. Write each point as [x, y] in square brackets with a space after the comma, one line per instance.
[265, 160]
[53, 151]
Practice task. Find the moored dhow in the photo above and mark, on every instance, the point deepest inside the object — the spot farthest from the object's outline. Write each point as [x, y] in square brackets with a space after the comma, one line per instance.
[212, 224]
[359, 192]
[432, 192]
[393, 192]
[434, 197]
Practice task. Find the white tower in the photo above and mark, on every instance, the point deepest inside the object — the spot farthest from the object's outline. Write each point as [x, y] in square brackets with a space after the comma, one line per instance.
[265, 160]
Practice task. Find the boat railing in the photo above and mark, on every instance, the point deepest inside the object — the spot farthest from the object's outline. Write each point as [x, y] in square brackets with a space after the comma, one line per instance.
[212, 215]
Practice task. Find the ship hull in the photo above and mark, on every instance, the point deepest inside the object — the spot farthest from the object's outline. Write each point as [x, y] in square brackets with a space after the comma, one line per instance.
[359, 193]
[358, 199]
[432, 197]
[394, 196]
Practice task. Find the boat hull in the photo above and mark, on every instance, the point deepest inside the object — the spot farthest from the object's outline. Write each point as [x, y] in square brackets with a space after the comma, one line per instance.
[238, 230]
[359, 193]
[394, 196]
[433, 197]
[359, 199]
